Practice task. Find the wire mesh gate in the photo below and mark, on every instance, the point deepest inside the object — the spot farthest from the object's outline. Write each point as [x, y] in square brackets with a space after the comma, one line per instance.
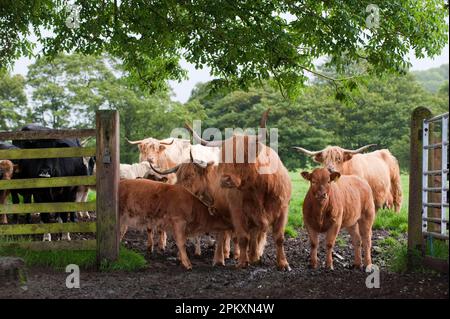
[428, 208]
[435, 178]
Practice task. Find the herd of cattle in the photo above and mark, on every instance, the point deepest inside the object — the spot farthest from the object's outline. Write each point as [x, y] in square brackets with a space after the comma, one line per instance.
[191, 190]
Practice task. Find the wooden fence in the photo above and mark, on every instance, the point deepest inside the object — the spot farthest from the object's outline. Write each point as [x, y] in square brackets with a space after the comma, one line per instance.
[107, 152]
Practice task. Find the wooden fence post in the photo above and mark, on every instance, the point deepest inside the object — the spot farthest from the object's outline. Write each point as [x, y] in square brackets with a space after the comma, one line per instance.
[415, 239]
[108, 154]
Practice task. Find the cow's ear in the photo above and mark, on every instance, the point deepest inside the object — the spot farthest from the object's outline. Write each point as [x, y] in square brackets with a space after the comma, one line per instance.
[16, 168]
[230, 181]
[318, 158]
[335, 176]
[347, 156]
[306, 175]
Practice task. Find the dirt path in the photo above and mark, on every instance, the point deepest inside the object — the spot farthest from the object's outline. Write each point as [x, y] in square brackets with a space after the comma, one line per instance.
[165, 278]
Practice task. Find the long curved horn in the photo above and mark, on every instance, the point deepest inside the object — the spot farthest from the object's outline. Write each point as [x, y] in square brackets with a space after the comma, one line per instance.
[84, 142]
[202, 141]
[201, 164]
[359, 150]
[303, 150]
[262, 124]
[133, 142]
[264, 117]
[165, 143]
[167, 171]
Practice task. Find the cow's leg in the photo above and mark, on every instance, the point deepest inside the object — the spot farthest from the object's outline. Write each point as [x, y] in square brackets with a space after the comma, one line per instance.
[15, 200]
[162, 239]
[150, 238]
[179, 228]
[4, 218]
[26, 200]
[356, 241]
[262, 239]
[244, 240]
[3, 195]
[330, 241]
[45, 219]
[123, 230]
[198, 246]
[226, 244]
[314, 243]
[236, 249]
[365, 229]
[278, 235]
[219, 256]
[253, 254]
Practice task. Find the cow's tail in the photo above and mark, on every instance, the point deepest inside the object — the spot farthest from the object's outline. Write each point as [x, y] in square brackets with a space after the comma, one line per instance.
[396, 186]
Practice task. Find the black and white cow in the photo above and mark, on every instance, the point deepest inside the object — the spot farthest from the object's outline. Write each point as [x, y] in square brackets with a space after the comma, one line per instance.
[52, 167]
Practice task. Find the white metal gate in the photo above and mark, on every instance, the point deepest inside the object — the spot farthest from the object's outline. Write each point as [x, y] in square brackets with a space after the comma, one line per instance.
[429, 185]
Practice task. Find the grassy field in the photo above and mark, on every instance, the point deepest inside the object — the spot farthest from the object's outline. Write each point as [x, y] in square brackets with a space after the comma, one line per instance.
[129, 260]
[385, 219]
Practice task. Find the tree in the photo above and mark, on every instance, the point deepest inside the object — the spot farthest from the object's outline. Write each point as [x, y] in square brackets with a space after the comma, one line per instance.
[67, 90]
[242, 41]
[13, 101]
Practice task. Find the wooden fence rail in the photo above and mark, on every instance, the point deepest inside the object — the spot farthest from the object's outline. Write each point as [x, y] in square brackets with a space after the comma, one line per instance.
[46, 135]
[26, 229]
[61, 152]
[28, 183]
[46, 208]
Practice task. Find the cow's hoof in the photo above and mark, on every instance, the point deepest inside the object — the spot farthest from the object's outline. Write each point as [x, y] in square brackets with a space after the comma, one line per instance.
[47, 237]
[284, 267]
[66, 236]
[369, 268]
[219, 263]
[242, 265]
[187, 266]
[357, 267]
[329, 267]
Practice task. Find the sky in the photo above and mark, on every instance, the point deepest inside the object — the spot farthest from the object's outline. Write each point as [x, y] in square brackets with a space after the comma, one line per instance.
[182, 90]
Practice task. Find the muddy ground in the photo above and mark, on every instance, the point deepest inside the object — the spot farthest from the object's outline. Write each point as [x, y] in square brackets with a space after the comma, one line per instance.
[165, 278]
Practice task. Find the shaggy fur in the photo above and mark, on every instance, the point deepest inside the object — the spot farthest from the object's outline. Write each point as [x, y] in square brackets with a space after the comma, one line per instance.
[256, 201]
[332, 202]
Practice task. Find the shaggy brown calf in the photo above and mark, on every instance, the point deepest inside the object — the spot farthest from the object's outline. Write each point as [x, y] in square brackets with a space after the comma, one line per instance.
[334, 201]
[144, 204]
[6, 172]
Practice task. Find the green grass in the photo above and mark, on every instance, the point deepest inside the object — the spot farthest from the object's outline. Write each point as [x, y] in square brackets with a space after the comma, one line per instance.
[129, 260]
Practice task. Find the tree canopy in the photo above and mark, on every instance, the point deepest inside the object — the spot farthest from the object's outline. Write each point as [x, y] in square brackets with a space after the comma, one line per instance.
[241, 41]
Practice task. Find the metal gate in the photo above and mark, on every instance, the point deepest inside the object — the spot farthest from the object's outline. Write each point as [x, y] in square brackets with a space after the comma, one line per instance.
[428, 209]
[435, 177]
